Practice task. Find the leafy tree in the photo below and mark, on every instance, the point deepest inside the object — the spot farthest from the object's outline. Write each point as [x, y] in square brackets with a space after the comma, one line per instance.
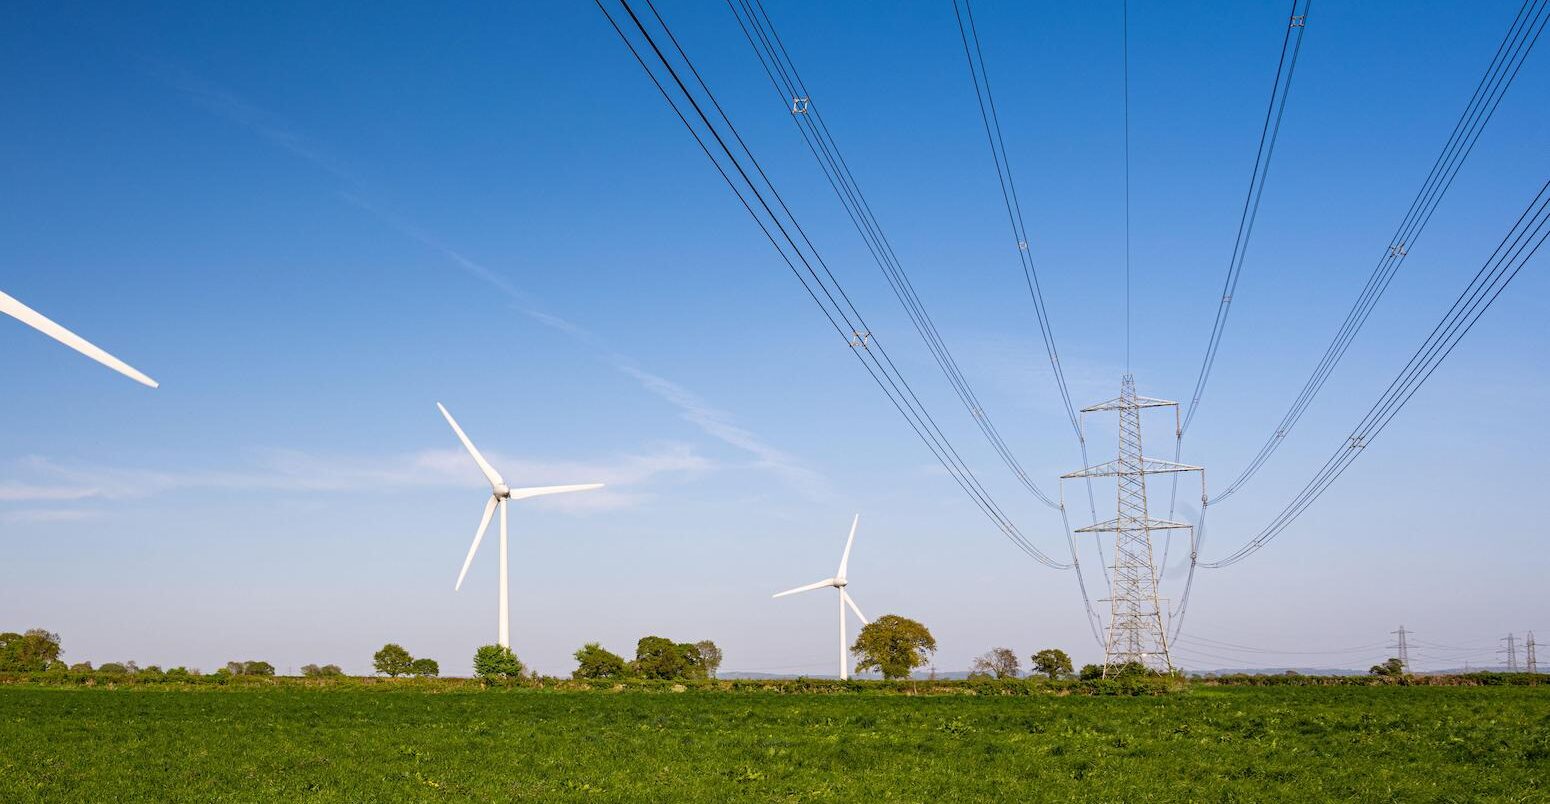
[893, 644]
[326, 671]
[594, 661]
[425, 668]
[493, 663]
[81, 667]
[1054, 663]
[113, 669]
[1392, 667]
[30, 652]
[710, 656]
[392, 660]
[694, 662]
[235, 668]
[660, 657]
[178, 673]
[254, 668]
[1090, 672]
[999, 662]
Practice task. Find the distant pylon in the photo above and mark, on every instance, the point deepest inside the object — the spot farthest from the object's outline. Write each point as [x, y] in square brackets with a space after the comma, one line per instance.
[1136, 633]
[1512, 653]
[1403, 648]
[1533, 666]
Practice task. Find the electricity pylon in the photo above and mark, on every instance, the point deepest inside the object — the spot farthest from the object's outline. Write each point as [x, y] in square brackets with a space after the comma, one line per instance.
[1403, 647]
[1512, 653]
[1533, 666]
[1136, 632]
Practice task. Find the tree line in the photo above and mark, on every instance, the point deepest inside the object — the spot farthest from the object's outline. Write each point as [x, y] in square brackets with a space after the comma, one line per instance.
[892, 645]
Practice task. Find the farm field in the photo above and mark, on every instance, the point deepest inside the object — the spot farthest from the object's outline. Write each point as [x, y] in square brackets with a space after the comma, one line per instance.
[351, 744]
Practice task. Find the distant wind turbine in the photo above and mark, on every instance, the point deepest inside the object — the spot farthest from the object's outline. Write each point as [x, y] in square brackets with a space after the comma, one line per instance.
[43, 324]
[501, 494]
[839, 583]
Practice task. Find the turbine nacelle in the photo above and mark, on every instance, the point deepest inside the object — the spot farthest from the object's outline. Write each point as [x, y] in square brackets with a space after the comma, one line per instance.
[502, 491]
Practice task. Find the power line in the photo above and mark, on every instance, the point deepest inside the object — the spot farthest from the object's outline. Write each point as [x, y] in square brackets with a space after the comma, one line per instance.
[1517, 247]
[990, 119]
[791, 242]
[1269, 131]
[805, 114]
[1493, 85]
[769, 48]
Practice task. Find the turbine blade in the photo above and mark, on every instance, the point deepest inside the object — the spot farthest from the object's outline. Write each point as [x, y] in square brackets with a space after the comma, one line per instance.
[808, 588]
[484, 466]
[484, 522]
[32, 318]
[852, 604]
[539, 491]
[845, 559]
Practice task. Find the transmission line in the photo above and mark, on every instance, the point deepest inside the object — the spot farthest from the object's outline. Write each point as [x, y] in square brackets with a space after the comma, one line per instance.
[805, 112]
[1270, 130]
[973, 53]
[1504, 67]
[1515, 250]
[791, 242]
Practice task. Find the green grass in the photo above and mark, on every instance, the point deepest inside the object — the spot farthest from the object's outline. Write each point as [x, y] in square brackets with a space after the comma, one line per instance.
[1310, 744]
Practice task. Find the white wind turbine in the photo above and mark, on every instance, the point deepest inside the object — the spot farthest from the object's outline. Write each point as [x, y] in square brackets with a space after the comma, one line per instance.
[43, 324]
[839, 583]
[501, 494]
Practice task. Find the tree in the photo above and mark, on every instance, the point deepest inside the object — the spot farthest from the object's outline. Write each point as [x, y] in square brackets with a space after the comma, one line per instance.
[1090, 672]
[392, 660]
[425, 668]
[112, 669]
[1054, 662]
[81, 667]
[710, 656]
[999, 662]
[495, 663]
[1392, 667]
[694, 662]
[256, 668]
[31, 652]
[326, 671]
[594, 661]
[893, 644]
[660, 657]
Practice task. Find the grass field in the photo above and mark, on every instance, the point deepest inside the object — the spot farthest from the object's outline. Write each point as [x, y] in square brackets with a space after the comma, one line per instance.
[1207, 744]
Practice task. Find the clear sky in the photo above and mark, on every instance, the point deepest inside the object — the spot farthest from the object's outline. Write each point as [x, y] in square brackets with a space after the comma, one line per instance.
[312, 222]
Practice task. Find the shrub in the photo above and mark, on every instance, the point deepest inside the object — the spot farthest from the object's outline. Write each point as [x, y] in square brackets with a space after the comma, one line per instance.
[593, 661]
[425, 668]
[496, 663]
[112, 669]
[326, 671]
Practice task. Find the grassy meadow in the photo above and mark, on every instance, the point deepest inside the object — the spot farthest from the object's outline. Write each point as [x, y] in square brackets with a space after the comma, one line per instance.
[386, 743]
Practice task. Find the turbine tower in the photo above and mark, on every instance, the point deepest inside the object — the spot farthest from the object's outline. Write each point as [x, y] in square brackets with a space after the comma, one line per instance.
[838, 582]
[32, 318]
[500, 495]
[1136, 632]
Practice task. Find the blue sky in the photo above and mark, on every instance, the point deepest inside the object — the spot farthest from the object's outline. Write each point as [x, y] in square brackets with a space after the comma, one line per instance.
[311, 224]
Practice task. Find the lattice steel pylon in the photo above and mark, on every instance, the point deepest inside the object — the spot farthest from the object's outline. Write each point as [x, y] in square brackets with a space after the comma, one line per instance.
[1136, 632]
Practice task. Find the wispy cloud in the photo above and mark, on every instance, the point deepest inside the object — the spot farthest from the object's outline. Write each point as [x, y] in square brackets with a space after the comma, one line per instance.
[22, 515]
[628, 477]
[713, 422]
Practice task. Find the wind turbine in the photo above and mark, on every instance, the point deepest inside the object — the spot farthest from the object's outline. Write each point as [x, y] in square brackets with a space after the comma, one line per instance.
[839, 583]
[501, 494]
[43, 324]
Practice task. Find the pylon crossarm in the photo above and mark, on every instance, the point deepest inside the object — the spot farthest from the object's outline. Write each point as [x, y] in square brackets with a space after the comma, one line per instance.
[1115, 525]
[1145, 466]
